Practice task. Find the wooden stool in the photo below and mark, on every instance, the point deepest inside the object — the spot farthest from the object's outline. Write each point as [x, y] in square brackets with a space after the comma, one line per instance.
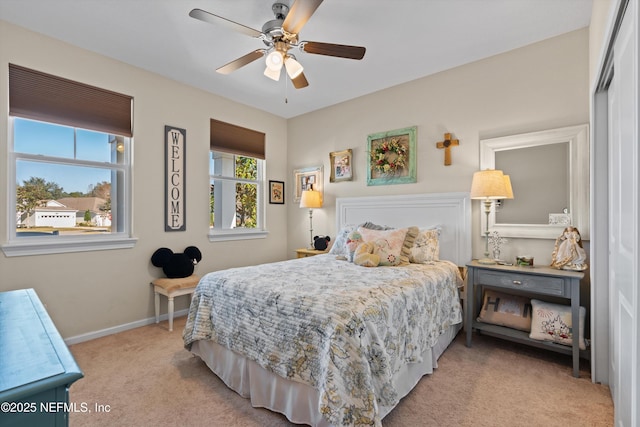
[172, 288]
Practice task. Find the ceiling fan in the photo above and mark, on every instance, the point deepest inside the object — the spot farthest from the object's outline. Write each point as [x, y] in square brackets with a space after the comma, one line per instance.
[280, 35]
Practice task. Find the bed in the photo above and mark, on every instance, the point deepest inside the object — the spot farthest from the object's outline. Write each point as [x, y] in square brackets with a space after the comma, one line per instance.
[325, 341]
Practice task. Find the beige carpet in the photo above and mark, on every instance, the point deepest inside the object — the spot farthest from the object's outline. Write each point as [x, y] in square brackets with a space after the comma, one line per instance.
[144, 377]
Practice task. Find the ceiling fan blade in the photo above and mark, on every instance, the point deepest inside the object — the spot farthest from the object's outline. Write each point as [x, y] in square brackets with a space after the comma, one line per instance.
[299, 14]
[300, 81]
[330, 49]
[241, 62]
[205, 16]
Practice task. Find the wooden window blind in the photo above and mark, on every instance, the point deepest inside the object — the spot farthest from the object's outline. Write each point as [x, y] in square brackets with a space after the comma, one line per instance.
[229, 138]
[39, 96]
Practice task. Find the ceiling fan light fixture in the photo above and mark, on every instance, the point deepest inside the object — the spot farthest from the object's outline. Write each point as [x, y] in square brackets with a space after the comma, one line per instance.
[274, 60]
[294, 68]
[272, 74]
[281, 35]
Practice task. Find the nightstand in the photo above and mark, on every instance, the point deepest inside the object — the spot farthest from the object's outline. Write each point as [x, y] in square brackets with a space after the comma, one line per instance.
[531, 281]
[303, 253]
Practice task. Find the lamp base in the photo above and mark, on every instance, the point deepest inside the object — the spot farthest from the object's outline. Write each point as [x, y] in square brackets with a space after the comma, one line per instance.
[486, 261]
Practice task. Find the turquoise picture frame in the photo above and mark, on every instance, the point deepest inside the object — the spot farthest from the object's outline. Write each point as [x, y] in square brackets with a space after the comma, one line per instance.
[391, 157]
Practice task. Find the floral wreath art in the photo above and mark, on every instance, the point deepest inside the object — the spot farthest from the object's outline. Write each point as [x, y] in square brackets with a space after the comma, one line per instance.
[389, 157]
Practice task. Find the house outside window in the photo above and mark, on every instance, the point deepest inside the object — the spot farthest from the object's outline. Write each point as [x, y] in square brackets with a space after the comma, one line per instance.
[69, 186]
[236, 177]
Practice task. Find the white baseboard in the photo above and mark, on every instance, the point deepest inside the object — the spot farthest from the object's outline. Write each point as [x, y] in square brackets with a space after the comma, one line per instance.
[121, 328]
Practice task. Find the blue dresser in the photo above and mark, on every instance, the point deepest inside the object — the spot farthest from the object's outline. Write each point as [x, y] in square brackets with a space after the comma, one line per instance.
[36, 367]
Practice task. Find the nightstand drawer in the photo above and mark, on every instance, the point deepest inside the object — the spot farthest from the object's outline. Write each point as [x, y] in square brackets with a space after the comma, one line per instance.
[542, 285]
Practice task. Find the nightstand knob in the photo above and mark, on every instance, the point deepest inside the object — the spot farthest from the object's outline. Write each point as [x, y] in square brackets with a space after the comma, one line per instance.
[517, 282]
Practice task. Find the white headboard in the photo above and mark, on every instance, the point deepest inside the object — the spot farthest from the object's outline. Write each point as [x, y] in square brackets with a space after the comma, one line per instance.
[450, 211]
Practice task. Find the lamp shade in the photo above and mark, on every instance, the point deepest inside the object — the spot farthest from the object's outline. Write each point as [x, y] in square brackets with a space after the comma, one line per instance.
[272, 74]
[507, 183]
[274, 65]
[274, 60]
[311, 199]
[294, 69]
[489, 184]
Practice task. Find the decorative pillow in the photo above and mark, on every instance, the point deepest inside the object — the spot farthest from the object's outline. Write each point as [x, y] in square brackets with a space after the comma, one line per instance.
[552, 322]
[506, 310]
[426, 247]
[409, 242]
[339, 247]
[389, 243]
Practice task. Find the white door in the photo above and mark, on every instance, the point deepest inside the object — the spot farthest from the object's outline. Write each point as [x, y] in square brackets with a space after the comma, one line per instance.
[623, 223]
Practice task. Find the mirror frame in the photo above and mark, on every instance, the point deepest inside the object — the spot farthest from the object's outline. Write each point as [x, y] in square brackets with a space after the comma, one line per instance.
[578, 139]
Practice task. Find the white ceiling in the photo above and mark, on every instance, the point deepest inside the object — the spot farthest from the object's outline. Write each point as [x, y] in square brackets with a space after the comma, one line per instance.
[405, 40]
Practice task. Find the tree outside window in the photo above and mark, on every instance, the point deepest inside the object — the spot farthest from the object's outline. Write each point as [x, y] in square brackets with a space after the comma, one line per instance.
[234, 192]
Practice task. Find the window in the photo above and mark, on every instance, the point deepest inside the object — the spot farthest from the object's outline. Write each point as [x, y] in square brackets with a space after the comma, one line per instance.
[236, 183]
[70, 168]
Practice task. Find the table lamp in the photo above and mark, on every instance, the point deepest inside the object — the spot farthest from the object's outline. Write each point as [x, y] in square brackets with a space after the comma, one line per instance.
[311, 199]
[489, 185]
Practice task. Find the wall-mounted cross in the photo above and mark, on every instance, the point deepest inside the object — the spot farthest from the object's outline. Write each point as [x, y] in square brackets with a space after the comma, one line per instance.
[447, 144]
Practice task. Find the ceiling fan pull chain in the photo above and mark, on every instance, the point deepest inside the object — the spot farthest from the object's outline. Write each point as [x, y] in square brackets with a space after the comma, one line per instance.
[286, 100]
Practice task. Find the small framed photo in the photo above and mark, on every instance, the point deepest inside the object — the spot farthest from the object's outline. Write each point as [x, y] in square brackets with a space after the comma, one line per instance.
[276, 192]
[341, 165]
[306, 179]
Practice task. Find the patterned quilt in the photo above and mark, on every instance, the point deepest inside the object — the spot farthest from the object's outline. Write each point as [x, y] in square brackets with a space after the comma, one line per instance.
[338, 327]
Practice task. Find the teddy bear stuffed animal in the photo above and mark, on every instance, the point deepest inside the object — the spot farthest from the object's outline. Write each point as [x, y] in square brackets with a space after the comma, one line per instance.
[365, 256]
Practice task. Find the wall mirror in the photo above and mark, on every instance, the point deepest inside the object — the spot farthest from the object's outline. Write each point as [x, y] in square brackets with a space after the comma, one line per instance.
[549, 173]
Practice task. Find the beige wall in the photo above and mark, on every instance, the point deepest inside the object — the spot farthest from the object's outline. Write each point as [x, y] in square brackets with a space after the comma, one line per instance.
[541, 86]
[598, 34]
[91, 291]
[538, 87]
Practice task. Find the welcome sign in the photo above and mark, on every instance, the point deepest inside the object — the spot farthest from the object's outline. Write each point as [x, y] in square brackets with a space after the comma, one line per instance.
[175, 163]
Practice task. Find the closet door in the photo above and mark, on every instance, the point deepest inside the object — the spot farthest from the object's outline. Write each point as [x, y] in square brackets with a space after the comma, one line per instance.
[623, 222]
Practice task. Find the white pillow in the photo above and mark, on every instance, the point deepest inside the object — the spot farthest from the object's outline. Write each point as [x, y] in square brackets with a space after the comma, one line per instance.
[339, 247]
[426, 247]
[552, 322]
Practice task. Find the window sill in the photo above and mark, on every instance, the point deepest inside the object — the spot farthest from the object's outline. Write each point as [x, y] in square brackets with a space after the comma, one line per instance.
[221, 236]
[61, 245]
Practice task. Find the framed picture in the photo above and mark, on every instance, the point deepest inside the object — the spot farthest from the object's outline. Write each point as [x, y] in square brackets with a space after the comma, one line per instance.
[392, 157]
[276, 192]
[306, 179]
[341, 165]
